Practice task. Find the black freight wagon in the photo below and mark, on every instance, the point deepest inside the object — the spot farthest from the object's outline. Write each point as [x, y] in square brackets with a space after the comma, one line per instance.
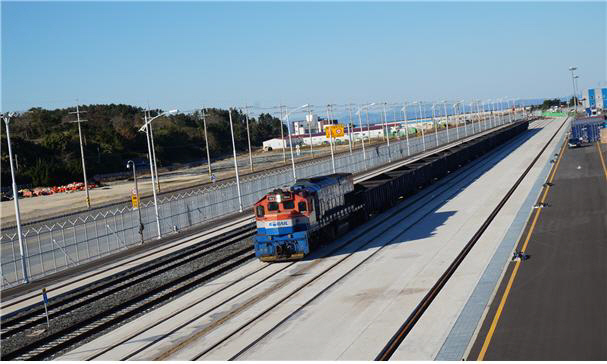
[383, 191]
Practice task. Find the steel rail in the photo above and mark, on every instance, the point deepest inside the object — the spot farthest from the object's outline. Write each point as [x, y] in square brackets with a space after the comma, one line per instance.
[455, 177]
[398, 337]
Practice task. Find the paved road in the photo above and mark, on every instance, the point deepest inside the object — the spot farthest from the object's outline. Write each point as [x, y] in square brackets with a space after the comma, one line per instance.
[556, 308]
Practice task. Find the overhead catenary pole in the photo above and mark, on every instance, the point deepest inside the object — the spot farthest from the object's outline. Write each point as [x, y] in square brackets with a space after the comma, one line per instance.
[7, 118]
[248, 137]
[206, 141]
[235, 162]
[86, 186]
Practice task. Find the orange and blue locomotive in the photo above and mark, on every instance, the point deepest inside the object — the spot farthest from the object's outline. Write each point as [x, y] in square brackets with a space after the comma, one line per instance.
[291, 221]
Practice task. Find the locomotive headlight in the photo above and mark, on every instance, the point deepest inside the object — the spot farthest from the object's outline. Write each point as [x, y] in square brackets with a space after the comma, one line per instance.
[278, 198]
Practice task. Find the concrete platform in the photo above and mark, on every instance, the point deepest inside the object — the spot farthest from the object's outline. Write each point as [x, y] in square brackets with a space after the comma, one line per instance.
[344, 306]
[554, 306]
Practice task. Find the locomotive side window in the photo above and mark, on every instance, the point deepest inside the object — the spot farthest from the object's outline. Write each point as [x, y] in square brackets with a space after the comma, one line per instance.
[301, 206]
[288, 205]
[272, 206]
[260, 211]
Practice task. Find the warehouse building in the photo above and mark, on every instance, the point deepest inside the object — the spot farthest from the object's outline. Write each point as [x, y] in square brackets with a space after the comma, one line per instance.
[595, 98]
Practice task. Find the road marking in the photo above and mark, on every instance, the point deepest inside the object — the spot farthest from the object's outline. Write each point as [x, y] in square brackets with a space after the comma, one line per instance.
[598, 146]
[500, 308]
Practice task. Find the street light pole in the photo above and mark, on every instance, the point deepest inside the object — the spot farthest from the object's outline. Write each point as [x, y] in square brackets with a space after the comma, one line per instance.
[419, 121]
[434, 122]
[86, 186]
[282, 138]
[206, 141]
[362, 132]
[309, 116]
[572, 68]
[130, 164]
[235, 162]
[387, 133]
[154, 154]
[7, 119]
[349, 126]
[249, 137]
[404, 109]
[145, 127]
[456, 120]
[447, 118]
[331, 139]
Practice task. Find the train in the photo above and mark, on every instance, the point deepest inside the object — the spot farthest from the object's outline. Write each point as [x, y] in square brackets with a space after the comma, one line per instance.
[293, 220]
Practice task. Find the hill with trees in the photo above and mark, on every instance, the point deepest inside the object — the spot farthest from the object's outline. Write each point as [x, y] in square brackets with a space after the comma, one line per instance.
[47, 149]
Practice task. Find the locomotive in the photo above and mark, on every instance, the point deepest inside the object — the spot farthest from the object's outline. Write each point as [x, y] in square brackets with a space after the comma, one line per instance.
[292, 221]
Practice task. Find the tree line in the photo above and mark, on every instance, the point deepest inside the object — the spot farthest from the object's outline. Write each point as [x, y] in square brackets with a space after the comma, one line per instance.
[47, 148]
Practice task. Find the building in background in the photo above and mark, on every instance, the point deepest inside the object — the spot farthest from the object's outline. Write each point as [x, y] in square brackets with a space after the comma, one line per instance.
[595, 98]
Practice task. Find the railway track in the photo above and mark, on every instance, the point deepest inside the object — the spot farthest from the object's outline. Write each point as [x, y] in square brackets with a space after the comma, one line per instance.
[429, 194]
[398, 337]
[74, 334]
[120, 285]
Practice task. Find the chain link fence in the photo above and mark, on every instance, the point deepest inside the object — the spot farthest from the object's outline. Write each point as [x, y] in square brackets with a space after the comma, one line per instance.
[55, 246]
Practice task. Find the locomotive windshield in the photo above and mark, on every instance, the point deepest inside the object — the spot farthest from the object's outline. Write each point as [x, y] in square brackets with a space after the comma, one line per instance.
[288, 205]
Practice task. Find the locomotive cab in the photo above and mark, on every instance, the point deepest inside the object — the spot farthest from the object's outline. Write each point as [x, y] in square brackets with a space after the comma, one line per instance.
[283, 219]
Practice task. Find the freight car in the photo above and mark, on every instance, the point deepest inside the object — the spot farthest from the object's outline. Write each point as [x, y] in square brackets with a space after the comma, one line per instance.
[291, 221]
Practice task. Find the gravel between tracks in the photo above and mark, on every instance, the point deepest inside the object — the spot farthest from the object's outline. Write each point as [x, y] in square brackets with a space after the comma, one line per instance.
[27, 336]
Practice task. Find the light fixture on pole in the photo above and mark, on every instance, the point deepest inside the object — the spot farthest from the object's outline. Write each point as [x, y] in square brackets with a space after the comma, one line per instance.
[421, 126]
[146, 129]
[206, 140]
[362, 132]
[131, 164]
[447, 119]
[434, 122]
[7, 119]
[309, 117]
[350, 126]
[154, 154]
[387, 133]
[287, 113]
[235, 161]
[331, 138]
[282, 138]
[573, 68]
[246, 116]
[86, 185]
[404, 110]
[455, 114]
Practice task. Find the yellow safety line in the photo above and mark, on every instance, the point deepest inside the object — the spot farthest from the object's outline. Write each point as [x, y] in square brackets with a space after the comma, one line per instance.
[483, 351]
[598, 146]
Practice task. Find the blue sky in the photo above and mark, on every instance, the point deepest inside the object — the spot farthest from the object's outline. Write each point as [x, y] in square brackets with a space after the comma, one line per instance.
[191, 54]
